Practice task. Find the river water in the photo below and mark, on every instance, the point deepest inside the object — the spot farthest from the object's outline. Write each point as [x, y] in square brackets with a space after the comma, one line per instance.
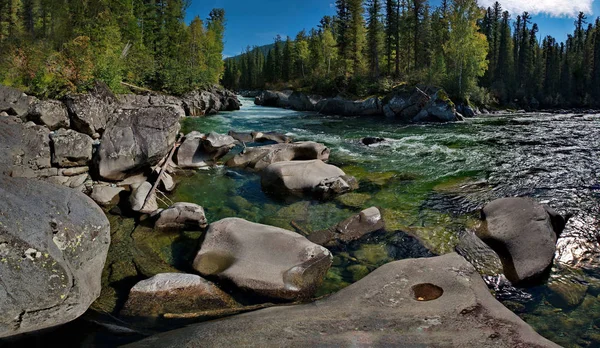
[430, 180]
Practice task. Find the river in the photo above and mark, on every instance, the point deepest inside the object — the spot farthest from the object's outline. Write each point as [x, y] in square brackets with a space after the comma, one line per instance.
[430, 180]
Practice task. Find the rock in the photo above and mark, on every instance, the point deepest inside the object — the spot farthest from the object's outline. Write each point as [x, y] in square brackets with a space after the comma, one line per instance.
[134, 101]
[167, 183]
[435, 302]
[50, 113]
[73, 171]
[371, 140]
[266, 260]
[300, 102]
[135, 140]
[520, 230]
[306, 177]
[261, 157]
[75, 182]
[467, 111]
[166, 100]
[182, 217]
[4, 114]
[210, 102]
[351, 229]
[14, 102]
[106, 196]
[191, 153]
[218, 144]
[138, 197]
[438, 109]
[175, 293]
[343, 107]
[274, 99]
[70, 148]
[566, 293]
[90, 113]
[53, 245]
[23, 147]
[260, 137]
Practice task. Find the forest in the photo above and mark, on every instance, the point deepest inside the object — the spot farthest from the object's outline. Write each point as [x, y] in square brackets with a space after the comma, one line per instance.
[483, 56]
[53, 47]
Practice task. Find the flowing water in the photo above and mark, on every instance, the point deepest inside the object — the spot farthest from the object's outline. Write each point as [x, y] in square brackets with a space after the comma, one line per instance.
[430, 181]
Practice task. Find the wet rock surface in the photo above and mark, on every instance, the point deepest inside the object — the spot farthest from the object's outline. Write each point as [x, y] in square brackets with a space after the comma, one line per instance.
[260, 157]
[437, 297]
[355, 227]
[53, 245]
[263, 260]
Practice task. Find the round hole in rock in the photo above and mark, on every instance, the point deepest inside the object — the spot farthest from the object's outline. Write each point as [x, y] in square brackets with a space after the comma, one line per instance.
[427, 292]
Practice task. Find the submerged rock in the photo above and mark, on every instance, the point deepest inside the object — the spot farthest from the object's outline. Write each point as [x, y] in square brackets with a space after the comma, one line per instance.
[135, 140]
[182, 217]
[265, 260]
[371, 140]
[307, 177]
[415, 302]
[259, 158]
[521, 231]
[351, 229]
[53, 245]
[176, 293]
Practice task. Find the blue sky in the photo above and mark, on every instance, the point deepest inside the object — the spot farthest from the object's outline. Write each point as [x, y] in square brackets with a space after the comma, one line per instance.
[257, 22]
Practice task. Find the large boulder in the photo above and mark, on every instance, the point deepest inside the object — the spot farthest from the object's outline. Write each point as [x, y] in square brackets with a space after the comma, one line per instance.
[261, 157]
[435, 302]
[14, 102]
[523, 233]
[53, 245]
[343, 107]
[50, 113]
[106, 195]
[70, 148]
[367, 221]
[260, 137]
[141, 200]
[135, 140]
[273, 99]
[265, 260]
[314, 178]
[175, 293]
[438, 109]
[91, 112]
[182, 217]
[24, 148]
[201, 151]
[135, 101]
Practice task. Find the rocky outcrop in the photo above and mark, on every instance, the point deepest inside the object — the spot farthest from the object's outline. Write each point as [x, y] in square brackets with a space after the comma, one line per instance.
[261, 157]
[50, 113]
[136, 139]
[135, 101]
[264, 260]
[344, 107]
[521, 231]
[24, 148]
[91, 112]
[367, 221]
[178, 293]
[182, 217]
[210, 102]
[53, 245]
[106, 195]
[314, 178]
[435, 302]
[70, 148]
[14, 102]
[420, 105]
[201, 151]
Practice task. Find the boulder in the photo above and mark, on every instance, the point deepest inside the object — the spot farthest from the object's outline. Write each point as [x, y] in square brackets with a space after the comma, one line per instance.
[182, 217]
[219, 144]
[70, 148]
[135, 140]
[74, 171]
[53, 246]
[265, 260]
[24, 148]
[50, 113]
[178, 293]
[273, 99]
[520, 230]
[167, 100]
[306, 177]
[106, 195]
[191, 153]
[438, 109]
[261, 157]
[435, 302]
[14, 102]
[343, 107]
[371, 141]
[91, 112]
[367, 221]
[138, 198]
[74, 182]
[260, 137]
[134, 101]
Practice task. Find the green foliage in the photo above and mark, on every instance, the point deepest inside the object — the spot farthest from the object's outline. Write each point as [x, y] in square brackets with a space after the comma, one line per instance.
[51, 50]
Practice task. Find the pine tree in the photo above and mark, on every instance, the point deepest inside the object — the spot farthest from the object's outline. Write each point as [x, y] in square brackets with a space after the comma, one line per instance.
[374, 35]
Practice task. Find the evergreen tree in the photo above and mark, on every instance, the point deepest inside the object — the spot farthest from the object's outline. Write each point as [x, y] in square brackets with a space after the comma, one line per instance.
[374, 36]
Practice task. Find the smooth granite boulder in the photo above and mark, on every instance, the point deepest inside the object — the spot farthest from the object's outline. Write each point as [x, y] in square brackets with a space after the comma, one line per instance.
[53, 246]
[106, 195]
[522, 233]
[261, 259]
[435, 302]
[182, 217]
[260, 157]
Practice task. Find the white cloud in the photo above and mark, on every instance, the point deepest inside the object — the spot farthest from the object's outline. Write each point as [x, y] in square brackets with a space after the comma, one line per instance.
[554, 8]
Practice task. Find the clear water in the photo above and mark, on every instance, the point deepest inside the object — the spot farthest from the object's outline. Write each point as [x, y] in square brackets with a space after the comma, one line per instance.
[430, 180]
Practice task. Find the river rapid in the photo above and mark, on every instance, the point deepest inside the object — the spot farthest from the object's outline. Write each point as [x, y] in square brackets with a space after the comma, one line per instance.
[430, 180]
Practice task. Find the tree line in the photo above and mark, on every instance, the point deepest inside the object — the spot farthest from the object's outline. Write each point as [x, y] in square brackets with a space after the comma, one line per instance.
[53, 47]
[478, 55]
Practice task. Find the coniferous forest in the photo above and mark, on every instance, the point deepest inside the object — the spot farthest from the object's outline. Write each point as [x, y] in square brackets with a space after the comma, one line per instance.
[50, 48]
[485, 56]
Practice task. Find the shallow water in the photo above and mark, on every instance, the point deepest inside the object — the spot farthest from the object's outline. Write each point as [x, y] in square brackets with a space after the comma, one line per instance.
[430, 181]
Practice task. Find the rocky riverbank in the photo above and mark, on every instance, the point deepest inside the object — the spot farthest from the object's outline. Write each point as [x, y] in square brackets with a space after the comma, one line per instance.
[169, 264]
